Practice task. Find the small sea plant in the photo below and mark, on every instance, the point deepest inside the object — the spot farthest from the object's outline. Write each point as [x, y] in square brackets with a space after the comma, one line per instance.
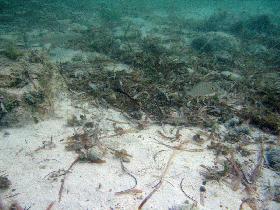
[12, 52]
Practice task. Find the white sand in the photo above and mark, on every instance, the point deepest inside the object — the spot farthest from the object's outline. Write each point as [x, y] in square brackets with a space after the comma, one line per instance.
[93, 186]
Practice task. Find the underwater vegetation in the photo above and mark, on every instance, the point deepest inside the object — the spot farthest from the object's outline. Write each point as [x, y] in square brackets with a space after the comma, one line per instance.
[171, 79]
[190, 68]
[11, 51]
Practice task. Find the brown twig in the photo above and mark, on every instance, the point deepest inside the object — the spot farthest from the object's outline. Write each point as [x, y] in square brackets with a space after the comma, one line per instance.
[11, 196]
[179, 147]
[250, 184]
[132, 189]
[257, 170]
[158, 185]
[1, 204]
[178, 135]
[46, 145]
[155, 155]
[63, 180]
[239, 172]
[50, 206]
[172, 139]
[165, 137]
[121, 132]
[189, 197]
[116, 121]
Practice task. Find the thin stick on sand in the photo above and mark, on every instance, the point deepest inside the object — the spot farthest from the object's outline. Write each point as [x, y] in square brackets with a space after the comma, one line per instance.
[132, 189]
[189, 197]
[63, 180]
[158, 185]
[50, 206]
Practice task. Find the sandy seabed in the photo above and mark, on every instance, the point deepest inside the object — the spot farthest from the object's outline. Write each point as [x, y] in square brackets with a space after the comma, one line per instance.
[35, 171]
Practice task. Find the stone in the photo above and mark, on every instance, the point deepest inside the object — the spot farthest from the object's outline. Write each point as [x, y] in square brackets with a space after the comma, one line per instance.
[273, 158]
[223, 57]
[257, 49]
[4, 183]
[235, 121]
[205, 89]
[213, 42]
[93, 155]
[76, 27]
[231, 76]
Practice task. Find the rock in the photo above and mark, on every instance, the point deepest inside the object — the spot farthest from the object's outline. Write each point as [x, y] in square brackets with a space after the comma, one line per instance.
[273, 158]
[89, 125]
[190, 70]
[260, 24]
[213, 42]
[76, 27]
[93, 87]
[231, 76]
[63, 55]
[242, 130]
[221, 21]
[257, 49]
[47, 46]
[232, 122]
[4, 183]
[205, 89]
[34, 98]
[27, 87]
[197, 139]
[223, 57]
[2, 106]
[93, 155]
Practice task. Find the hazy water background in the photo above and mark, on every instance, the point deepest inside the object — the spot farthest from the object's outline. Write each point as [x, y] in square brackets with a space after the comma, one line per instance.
[34, 11]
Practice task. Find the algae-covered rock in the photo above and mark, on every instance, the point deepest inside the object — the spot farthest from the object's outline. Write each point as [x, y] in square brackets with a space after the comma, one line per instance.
[263, 119]
[4, 183]
[8, 106]
[273, 158]
[231, 76]
[212, 42]
[12, 74]
[28, 87]
[34, 98]
[257, 49]
[94, 155]
[205, 89]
